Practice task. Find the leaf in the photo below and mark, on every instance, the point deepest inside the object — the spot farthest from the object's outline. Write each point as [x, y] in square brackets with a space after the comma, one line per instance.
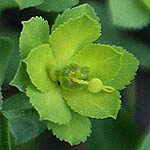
[76, 131]
[39, 62]
[120, 11]
[1, 101]
[12, 66]
[4, 133]
[35, 32]
[50, 105]
[15, 114]
[26, 128]
[113, 36]
[75, 13]
[17, 102]
[6, 31]
[7, 4]
[28, 3]
[57, 6]
[21, 79]
[6, 49]
[127, 72]
[104, 61]
[98, 105]
[145, 144]
[23, 119]
[71, 36]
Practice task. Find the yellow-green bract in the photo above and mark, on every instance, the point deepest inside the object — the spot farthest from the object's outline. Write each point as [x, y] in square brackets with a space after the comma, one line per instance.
[68, 78]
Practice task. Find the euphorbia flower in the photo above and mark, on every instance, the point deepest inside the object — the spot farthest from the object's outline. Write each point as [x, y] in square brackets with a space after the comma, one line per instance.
[72, 78]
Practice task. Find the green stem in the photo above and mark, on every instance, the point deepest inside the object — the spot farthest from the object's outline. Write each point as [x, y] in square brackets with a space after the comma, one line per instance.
[4, 134]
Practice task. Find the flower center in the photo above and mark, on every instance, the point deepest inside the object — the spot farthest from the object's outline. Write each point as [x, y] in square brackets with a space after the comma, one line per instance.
[74, 76]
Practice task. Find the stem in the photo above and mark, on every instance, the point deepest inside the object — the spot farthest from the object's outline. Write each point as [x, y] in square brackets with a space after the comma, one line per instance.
[4, 134]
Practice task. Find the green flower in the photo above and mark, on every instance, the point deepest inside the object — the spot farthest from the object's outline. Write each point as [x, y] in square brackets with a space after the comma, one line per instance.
[68, 77]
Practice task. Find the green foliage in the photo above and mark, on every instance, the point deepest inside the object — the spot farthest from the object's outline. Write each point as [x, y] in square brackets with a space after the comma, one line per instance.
[61, 68]
[76, 131]
[100, 105]
[57, 6]
[103, 61]
[6, 31]
[75, 36]
[75, 13]
[6, 49]
[21, 79]
[74, 47]
[13, 103]
[129, 63]
[68, 76]
[7, 4]
[44, 5]
[4, 133]
[50, 105]
[28, 3]
[45, 62]
[31, 36]
[129, 13]
[23, 120]
[113, 36]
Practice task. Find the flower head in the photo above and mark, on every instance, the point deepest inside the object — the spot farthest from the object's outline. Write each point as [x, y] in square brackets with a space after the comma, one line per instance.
[71, 78]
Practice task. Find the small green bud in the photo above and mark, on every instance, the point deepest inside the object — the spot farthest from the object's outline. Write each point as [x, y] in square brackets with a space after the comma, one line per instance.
[95, 85]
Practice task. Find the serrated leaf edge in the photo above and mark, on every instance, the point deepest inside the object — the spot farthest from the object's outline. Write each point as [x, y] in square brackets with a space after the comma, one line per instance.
[24, 24]
[84, 140]
[134, 73]
[74, 8]
[111, 116]
[101, 44]
[14, 78]
[25, 61]
[40, 115]
[69, 20]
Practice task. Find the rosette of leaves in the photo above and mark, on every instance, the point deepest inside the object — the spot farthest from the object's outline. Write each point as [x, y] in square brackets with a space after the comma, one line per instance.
[130, 13]
[67, 77]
